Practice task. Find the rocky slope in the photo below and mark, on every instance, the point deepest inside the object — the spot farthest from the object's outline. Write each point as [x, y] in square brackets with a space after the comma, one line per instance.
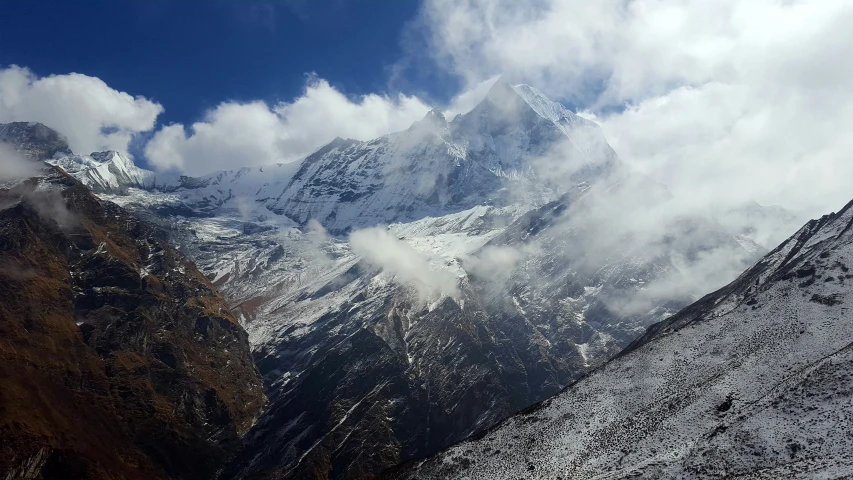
[752, 381]
[118, 359]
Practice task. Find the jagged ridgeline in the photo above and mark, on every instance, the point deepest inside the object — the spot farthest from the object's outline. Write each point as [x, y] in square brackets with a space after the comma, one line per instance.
[118, 359]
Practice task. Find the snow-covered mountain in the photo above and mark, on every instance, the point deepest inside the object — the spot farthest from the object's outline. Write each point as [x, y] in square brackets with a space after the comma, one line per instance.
[548, 277]
[752, 381]
[403, 293]
[500, 153]
[517, 146]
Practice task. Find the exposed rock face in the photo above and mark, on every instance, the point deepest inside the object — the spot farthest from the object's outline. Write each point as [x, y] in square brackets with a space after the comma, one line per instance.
[117, 357]
[33, 140]
[752, 381]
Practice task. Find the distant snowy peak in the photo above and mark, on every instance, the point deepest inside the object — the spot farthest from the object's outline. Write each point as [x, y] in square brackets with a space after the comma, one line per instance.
[434, 118]
[541, 104]
[516, 146]
[519, 101]
[106, 172]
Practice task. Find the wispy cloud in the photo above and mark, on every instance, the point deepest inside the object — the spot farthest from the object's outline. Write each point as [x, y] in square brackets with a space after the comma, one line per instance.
[410, 267]
[14, 166]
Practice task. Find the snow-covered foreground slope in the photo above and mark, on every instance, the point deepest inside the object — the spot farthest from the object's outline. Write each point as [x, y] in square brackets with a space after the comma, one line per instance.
[752, 381]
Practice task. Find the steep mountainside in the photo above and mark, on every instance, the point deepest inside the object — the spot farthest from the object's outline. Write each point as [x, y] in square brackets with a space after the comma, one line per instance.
[118, 360]
[752, 381]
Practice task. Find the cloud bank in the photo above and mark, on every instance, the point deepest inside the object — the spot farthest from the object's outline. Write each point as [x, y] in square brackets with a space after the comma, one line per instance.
[14, 166]
[95, 117]
[746, 99]
[91, 115]
[245, 134]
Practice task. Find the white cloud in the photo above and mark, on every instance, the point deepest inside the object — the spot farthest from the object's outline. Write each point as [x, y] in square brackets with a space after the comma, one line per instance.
[465, 101]
[243, 134]
[751, 99]
[14, 166]
[379, 247]
[93, 116]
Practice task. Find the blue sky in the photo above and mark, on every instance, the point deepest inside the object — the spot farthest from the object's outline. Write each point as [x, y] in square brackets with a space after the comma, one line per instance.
[191, 55]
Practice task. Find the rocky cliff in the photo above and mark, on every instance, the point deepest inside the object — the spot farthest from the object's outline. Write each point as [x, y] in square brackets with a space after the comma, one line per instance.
[118, 359]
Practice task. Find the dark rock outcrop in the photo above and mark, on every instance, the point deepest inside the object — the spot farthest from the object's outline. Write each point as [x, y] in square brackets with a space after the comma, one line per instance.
[118, 359]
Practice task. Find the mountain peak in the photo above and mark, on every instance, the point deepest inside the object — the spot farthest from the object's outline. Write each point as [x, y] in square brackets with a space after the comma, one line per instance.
[33, 139]
[106, 172]
[104, 156]
[433, 119]
[435, 113]
[541, 104]
[516, 99]
[500, 89]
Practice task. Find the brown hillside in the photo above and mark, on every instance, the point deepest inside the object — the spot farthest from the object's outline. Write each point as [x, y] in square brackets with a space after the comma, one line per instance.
[117, 357]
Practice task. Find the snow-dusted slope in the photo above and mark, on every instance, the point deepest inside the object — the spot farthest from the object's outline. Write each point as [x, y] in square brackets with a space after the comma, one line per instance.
[232, 193]
[752, 381]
